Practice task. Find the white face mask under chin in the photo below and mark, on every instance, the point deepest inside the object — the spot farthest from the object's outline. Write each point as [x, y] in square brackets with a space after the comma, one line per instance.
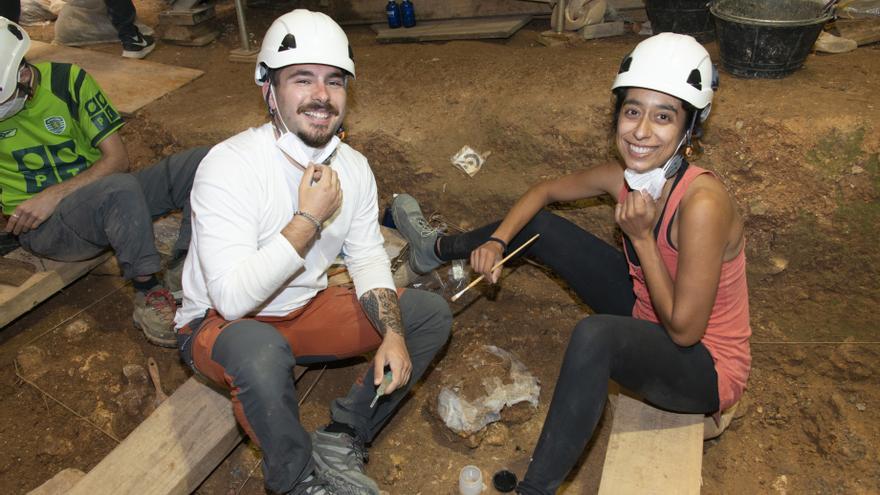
[295, 148]
[12, 107]
[652, 181]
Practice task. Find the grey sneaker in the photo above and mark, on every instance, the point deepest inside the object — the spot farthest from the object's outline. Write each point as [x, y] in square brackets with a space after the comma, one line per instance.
[154, 315]
[411, 224]
[312, 485]
[339, 459]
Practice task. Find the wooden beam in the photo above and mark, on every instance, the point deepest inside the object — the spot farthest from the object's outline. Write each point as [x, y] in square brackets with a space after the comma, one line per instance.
[862, 31]
[59, 484]
[52, 277]
[172, 451]
[457, 29]
[652, 451]
[603, 30]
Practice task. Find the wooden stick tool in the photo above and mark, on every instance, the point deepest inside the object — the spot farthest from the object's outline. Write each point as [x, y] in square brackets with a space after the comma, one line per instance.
[478, 279]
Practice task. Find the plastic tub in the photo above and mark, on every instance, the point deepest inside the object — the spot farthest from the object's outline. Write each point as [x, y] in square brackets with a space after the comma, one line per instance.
[681, 16]
[765, 39]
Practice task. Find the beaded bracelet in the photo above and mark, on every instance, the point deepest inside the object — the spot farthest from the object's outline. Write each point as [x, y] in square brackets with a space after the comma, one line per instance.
[499, 241]
[310, 218]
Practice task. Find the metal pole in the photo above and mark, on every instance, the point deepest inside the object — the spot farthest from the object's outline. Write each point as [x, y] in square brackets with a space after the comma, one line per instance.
[560, 16]
[242, 27]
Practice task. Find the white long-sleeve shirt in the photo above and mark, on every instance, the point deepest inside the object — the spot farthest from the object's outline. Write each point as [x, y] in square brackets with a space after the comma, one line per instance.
[244, 193]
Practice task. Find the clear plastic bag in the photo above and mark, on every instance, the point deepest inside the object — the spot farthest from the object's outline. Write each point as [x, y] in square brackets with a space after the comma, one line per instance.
[446, 280]
[465, 416]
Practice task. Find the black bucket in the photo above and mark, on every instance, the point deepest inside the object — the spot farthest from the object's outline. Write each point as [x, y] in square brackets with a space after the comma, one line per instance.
[758, 38]
[681, 16]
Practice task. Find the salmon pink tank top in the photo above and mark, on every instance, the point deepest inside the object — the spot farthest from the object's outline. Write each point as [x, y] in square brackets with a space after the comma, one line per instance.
[727, 333]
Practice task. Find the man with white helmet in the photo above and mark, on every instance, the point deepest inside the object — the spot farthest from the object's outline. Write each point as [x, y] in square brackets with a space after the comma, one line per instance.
[272, 208]
[672, 309]
[64, 190]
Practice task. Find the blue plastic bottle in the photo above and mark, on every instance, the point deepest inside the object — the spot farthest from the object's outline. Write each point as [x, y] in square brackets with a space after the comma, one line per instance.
[409, 13]
[393, 12]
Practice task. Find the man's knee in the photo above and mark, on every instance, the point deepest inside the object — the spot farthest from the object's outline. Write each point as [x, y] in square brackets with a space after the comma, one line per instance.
[426, 312]
[119, 184]
[254, 352]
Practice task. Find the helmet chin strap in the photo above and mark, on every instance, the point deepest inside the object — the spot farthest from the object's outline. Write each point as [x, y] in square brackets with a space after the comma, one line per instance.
[689, 149]
[674, 162]
[275, 112]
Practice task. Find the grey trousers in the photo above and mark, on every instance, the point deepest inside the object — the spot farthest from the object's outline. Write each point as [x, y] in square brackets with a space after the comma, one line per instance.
[117, 212]
[261, 362]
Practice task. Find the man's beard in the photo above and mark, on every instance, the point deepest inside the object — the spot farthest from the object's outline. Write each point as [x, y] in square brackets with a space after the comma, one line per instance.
[317, 138]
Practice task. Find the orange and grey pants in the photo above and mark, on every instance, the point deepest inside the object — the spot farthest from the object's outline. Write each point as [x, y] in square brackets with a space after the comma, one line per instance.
[254, 359]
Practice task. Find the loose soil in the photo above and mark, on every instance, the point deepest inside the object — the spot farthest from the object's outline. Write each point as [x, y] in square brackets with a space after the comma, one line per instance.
[800, 155]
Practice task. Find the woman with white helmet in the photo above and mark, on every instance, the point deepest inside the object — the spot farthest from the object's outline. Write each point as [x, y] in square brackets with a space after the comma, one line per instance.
[672, 319]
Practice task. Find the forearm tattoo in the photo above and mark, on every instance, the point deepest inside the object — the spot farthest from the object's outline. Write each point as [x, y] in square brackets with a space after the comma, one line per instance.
[382, 310]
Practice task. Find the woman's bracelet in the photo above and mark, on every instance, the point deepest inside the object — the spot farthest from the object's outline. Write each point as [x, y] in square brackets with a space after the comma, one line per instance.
[310, 218]
[499, 241]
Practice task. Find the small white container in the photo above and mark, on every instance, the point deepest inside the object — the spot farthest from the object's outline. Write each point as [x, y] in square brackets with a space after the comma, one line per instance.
[470, 481]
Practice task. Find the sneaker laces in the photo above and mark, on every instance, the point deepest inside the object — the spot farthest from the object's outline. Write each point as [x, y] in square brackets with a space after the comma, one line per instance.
[425, 228]
[359, 450]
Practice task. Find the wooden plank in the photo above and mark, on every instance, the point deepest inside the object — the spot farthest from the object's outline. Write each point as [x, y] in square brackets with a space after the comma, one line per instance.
[862, 31]
[602, 30]
[52, 277]
[458, 29]
[59, 484]
[129, 84]
[652, 451]
[626, 4]
[365, 11]
[172, 451]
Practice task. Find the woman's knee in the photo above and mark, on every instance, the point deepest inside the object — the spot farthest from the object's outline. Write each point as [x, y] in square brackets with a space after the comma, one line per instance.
[594, 334]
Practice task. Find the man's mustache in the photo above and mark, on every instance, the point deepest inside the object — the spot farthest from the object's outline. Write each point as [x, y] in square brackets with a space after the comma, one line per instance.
[316, 107]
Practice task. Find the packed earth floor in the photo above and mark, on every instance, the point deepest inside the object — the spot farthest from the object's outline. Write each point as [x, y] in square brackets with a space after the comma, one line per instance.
[799, 154]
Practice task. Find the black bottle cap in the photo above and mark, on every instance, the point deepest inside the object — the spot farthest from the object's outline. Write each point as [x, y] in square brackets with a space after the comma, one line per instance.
[504, 481]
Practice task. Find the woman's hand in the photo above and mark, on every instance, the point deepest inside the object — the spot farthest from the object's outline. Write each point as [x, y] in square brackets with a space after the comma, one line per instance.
[485, 257]
[636, 215]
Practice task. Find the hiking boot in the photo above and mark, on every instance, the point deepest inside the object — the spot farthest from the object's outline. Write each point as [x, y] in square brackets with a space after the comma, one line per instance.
[138, 46]
[339, 459]
[312, 485]
[154, 315]
[411, 224]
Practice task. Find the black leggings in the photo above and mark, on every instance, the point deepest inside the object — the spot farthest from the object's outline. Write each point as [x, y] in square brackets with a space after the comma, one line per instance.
[637, 354]
[595, 270]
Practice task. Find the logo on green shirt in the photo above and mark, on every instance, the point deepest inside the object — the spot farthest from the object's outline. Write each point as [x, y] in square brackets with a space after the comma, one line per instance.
[55, 124]
[8, 133]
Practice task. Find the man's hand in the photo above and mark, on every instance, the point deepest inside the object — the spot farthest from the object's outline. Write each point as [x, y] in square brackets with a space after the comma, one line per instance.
[319, 192]
[383, 311]
[392, 353]
[636, 215]
[485, 257]
[32, 213]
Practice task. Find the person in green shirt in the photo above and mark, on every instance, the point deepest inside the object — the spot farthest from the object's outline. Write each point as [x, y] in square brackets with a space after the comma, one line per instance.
[65, 190]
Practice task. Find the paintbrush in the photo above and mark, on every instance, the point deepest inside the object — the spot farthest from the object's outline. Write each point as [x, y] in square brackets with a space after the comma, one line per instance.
[478, 279]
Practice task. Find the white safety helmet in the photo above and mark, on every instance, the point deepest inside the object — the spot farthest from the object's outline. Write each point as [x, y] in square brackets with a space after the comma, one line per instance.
[675, 64]
[14, 43]
[303, 37]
